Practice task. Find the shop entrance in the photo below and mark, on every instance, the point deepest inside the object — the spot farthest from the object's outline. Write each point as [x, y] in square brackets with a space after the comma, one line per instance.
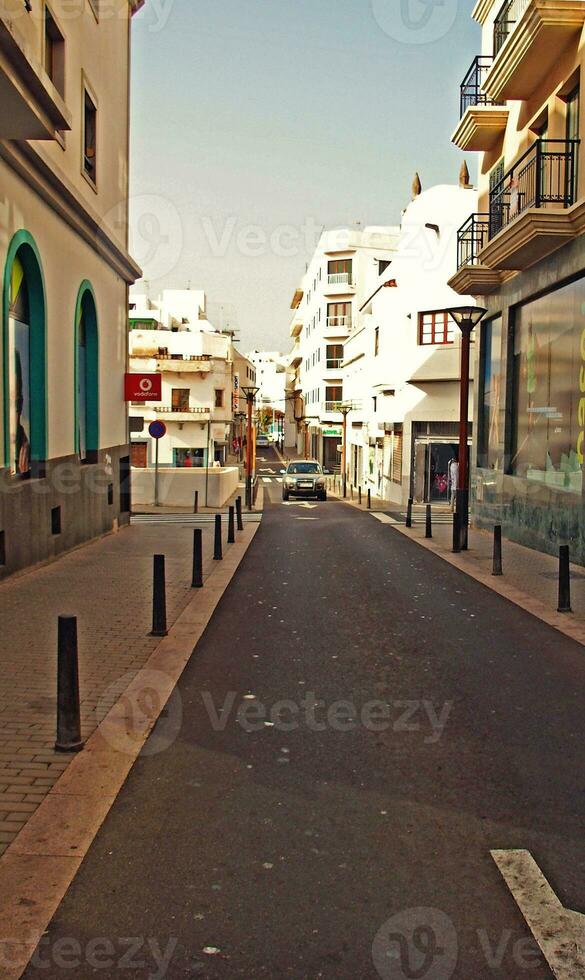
[431, 471]
[331, 458]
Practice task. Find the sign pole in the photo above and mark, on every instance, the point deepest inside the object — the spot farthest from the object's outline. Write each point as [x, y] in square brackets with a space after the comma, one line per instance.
[156, 474]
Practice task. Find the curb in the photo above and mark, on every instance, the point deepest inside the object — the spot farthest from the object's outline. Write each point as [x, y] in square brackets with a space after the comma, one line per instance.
[39, 866]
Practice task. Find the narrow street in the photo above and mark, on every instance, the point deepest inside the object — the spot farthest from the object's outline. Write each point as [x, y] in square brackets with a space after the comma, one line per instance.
[284, 850]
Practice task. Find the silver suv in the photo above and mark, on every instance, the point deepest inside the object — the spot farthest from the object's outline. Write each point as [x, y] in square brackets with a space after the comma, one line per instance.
[304, 478]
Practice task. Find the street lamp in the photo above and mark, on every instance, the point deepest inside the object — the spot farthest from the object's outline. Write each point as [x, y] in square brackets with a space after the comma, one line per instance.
[345, 408]
[466, 318]
[250, 392]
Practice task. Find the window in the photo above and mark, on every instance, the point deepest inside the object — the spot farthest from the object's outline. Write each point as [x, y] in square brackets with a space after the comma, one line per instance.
[383, 265]
[375, 403]
[572, 131]
[180, 399]
[490, 436]
[339, 315]
[548, 417]
[339, 271]
[334, 354]
[89, 137]
[376, 341]
[436, 327]
[333, 397]
[54, 53]
[219, 397]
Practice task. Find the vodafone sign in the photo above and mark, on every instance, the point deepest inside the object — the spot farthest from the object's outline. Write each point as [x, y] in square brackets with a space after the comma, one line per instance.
[142, 387]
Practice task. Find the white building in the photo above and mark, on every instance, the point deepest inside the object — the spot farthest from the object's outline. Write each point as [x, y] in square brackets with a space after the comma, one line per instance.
[339, 278]
[271, 380]
[202, 373]
[402, 360]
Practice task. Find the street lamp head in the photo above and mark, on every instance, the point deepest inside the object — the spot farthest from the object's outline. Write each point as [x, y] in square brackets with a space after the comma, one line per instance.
[250, 392]
[467, 316]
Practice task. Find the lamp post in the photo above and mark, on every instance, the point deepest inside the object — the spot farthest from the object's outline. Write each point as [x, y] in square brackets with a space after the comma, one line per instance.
[345, 409]
[466, 318]
[250, 393]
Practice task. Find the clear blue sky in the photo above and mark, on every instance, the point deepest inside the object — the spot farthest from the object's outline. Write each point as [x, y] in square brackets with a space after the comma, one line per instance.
[250, 116]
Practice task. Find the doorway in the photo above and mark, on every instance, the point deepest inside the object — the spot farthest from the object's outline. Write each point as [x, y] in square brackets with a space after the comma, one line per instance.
[431, 470]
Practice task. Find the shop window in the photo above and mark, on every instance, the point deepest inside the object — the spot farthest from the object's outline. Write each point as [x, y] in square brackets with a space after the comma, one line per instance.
[436, 328]
[490, 436]
[87, 376]
[89, 137]
[548, 427]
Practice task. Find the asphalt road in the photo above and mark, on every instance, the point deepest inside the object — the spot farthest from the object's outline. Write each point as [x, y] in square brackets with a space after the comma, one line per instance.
[321, 847]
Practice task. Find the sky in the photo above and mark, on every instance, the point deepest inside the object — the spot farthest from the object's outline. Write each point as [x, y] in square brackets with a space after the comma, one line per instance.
[255, 123]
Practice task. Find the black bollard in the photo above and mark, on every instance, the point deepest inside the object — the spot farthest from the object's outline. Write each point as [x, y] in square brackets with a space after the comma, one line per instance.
[197, 580]
[497, 565]
[409, 513]
[231, 526]
[351, 491]
[240, 521]
[428, 522]
[159, 598]
[68, 708]
[564, 580]
[196, 502]
[360, 495]
[369, 499]
[456, 532]
[217, 552]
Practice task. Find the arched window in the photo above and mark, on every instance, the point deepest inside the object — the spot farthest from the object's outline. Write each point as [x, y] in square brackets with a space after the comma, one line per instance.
[86, 375]
[24, 325]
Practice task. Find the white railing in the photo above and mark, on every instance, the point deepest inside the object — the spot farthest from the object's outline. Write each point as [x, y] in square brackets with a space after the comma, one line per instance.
[339, 279]
[333, 406]
[187, 410]
[339, 321]
[333, 363]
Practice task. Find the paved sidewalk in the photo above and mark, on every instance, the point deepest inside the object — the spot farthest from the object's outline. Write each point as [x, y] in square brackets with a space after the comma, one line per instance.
[108, 585]
[530, 577]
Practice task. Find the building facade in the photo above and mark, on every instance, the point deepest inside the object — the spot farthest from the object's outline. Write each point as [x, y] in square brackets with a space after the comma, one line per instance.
[401, 365]
[64, 131]
[202, 375]
[270, 367]
[340, 276]
[523, 255]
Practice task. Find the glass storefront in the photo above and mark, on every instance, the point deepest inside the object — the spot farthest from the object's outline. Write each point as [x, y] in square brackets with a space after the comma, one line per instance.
[549, 389]
[490, 430]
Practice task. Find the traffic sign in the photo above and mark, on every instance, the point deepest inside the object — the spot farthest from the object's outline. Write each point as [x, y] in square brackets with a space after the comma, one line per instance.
[157, 430]
[142, 387]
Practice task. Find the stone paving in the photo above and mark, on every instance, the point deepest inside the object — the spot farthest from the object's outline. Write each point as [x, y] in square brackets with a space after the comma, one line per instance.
[108, 585]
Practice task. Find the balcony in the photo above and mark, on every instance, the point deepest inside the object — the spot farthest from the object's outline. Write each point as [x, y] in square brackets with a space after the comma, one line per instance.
[334, 363]
[184, 414]
[529, 37]
[184, 363]
[339, 283]
[333, 406]
[483, 121]
[338, 326]
[32, 108]
[473, 278]
[531, 215]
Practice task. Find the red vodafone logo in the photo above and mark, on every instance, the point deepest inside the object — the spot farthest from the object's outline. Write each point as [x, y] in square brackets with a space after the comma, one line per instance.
[142, 387]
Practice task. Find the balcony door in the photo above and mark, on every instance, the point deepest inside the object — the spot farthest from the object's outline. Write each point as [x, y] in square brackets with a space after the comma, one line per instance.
[572, 129]
[180, 399]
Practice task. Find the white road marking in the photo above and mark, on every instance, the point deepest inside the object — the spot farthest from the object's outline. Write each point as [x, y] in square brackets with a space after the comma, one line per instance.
[304, 503]
[559, 932]
[385, 518]
[306, 518]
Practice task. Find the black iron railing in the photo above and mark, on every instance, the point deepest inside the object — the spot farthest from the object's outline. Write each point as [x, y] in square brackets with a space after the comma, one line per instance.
[544, 175]
[506, 18]
[471, 93]
[471, 238]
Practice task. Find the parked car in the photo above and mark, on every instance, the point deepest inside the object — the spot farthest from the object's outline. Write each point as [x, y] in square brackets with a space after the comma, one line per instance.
[262, 440]
[304, 478]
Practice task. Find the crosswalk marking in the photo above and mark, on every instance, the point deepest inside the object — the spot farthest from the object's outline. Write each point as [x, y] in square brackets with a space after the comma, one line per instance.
[557, 930]
[190, 520]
